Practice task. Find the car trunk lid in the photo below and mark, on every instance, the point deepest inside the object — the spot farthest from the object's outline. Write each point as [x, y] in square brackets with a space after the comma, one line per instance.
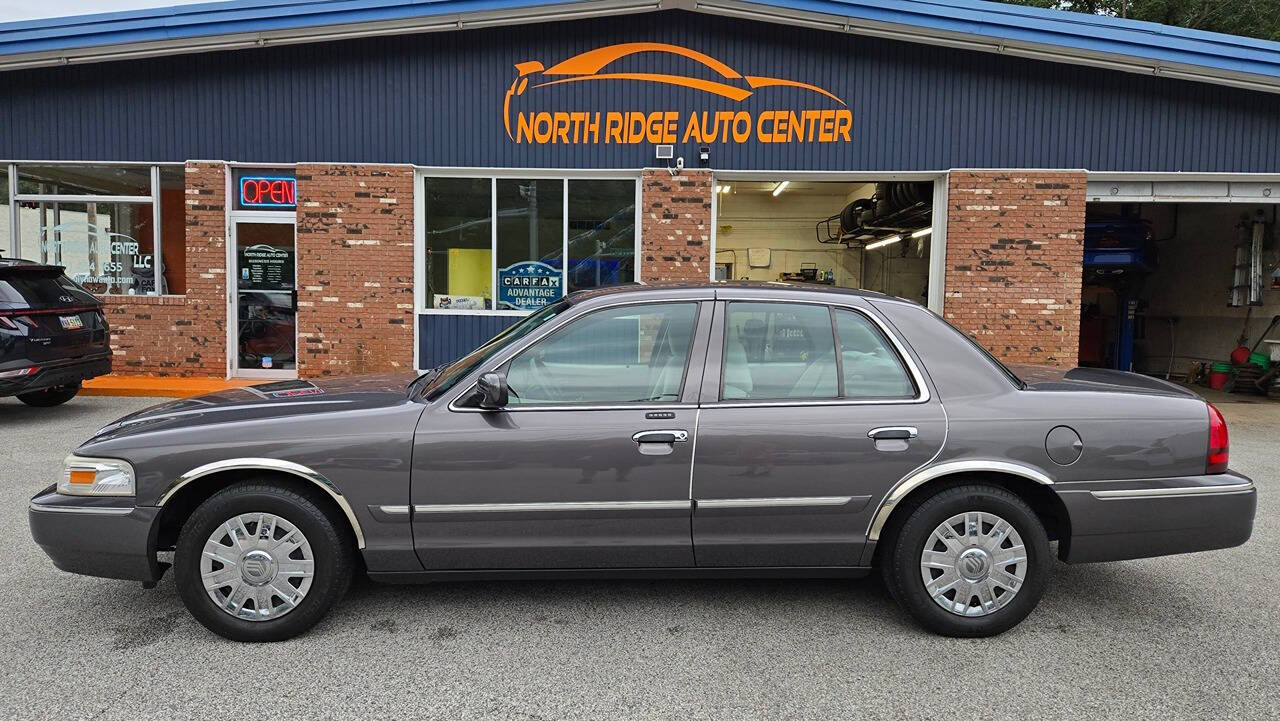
[1051, 378]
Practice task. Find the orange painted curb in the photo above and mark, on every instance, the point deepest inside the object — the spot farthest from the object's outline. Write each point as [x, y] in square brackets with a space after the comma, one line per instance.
[158, 386]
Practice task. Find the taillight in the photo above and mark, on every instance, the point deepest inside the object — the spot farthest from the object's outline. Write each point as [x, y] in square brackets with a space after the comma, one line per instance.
[19, 372]
[1216, 461]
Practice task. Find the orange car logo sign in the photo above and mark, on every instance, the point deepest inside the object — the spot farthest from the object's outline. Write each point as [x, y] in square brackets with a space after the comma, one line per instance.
[828, 124]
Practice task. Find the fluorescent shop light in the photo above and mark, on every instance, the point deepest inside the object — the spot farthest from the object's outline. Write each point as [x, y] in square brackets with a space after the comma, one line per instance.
[881, 243]
[922, 232]
[780, 187]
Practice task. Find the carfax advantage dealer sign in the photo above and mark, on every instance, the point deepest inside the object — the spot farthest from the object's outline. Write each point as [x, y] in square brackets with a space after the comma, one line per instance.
[532, 114]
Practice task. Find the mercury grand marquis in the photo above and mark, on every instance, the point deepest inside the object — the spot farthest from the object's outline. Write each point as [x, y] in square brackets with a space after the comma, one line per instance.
[722, 430]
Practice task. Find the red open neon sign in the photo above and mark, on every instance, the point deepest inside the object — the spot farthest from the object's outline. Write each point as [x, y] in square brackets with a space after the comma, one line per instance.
[268, 192]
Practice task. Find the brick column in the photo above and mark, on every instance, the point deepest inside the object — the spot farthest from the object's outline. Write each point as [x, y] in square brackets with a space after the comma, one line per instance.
[182, 335]
[355, 269]
[1015, 244]
[675, 230]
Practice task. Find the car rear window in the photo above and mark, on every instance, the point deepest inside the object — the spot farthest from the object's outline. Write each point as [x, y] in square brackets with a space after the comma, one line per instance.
[38, 287]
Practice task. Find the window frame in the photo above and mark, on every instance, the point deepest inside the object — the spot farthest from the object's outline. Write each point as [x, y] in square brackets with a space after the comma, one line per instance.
[719, 340]
[420, 299]
[835, 345]
[695, 362]
[567, 325]
[154, 200]
[888, 344]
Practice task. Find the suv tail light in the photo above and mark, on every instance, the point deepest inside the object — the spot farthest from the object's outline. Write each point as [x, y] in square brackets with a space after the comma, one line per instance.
[1216, 461]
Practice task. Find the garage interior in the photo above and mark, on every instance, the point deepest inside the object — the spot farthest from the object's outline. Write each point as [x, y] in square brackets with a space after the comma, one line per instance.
[1182, 282]
[867, 235]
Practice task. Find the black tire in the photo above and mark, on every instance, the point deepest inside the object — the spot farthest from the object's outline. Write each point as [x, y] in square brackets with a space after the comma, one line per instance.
[331, 546]
[50, 397]
[901, 565]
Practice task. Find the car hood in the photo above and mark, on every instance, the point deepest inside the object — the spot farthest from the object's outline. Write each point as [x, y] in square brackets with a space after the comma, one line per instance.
[282, 399]
[1052, 378]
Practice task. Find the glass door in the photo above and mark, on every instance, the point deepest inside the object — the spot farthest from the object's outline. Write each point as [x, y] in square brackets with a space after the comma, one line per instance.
[265, 303]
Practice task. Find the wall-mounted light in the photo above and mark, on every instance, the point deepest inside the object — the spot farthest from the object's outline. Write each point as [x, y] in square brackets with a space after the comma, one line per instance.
[777, 189]
[881, 243]
[922, 232]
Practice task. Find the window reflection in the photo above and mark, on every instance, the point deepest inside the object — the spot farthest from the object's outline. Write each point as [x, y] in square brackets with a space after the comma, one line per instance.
[530, 243]
[602, 233]
[459, 243]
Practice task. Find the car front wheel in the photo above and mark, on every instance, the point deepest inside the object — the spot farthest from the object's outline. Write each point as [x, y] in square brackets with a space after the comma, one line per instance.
[969, 561]
[49, 397]
[261, 562]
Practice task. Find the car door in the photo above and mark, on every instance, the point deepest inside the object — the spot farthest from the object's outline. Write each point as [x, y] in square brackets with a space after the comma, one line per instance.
[587, 466]
[798, 443]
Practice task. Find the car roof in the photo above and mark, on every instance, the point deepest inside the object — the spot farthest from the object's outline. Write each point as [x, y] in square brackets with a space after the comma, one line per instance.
[26, 264]
[780, 288]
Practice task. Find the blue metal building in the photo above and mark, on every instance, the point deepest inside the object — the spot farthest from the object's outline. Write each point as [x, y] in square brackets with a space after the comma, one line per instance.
[750, 92]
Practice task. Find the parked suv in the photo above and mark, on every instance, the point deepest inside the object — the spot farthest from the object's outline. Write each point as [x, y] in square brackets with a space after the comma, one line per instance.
[53, 335]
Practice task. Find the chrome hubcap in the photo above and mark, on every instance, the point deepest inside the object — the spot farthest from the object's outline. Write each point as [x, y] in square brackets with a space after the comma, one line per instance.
[257, 566]
[973, 563]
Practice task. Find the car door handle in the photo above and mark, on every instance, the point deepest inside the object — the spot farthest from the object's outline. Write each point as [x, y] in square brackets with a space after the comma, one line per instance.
[661, 437]
[893, 433]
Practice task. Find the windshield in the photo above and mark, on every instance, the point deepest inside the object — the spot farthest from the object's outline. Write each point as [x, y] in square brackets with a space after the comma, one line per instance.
[446, 377]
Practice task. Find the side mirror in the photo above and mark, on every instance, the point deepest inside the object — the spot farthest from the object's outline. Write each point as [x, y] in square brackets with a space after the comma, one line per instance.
[493, 391]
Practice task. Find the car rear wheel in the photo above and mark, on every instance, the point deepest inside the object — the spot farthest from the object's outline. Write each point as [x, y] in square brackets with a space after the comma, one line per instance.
[261, 562]
[49, 397]
[969, 561]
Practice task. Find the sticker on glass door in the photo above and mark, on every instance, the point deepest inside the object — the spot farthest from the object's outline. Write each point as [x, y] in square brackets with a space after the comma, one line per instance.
[266, 297]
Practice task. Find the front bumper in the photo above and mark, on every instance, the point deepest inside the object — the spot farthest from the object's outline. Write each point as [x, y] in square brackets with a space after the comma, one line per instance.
[1119, 520]
[58, 373]
[96, 536]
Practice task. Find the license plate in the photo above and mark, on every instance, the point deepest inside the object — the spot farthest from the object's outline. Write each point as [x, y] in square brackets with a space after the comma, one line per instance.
[71, 322]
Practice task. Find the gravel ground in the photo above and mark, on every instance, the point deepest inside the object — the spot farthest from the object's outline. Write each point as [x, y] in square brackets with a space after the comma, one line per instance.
[1195, 636]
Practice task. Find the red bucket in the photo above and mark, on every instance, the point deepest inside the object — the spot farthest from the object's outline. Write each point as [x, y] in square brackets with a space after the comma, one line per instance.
[1218, 380]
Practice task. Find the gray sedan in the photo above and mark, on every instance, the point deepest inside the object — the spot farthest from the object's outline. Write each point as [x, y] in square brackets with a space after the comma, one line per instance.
[717, 430]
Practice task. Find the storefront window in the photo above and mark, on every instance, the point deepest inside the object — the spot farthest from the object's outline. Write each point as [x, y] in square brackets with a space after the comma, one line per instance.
[117, 180]
[459, 243]
[530, 243]
[602, 233]
[515, 260]
[108, 245]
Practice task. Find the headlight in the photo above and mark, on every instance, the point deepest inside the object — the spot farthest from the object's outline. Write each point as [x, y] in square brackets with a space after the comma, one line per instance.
[96, 477]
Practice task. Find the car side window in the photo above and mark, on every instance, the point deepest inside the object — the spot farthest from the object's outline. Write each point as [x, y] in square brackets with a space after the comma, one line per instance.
[629, 354]
[779, 351]
[870, 367]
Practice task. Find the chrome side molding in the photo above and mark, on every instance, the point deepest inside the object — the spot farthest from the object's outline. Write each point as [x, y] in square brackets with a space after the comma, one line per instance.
[269, 464]
[554, 507]
[1174, 492]
[793, 501]
[90, 510]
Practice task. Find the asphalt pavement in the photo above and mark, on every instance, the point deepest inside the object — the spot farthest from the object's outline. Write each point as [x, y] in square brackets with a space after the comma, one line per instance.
[1193, 636]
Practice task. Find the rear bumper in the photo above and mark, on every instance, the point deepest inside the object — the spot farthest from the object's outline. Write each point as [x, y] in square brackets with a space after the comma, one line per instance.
[1119, 520]
[96, 537]
[58, 373]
